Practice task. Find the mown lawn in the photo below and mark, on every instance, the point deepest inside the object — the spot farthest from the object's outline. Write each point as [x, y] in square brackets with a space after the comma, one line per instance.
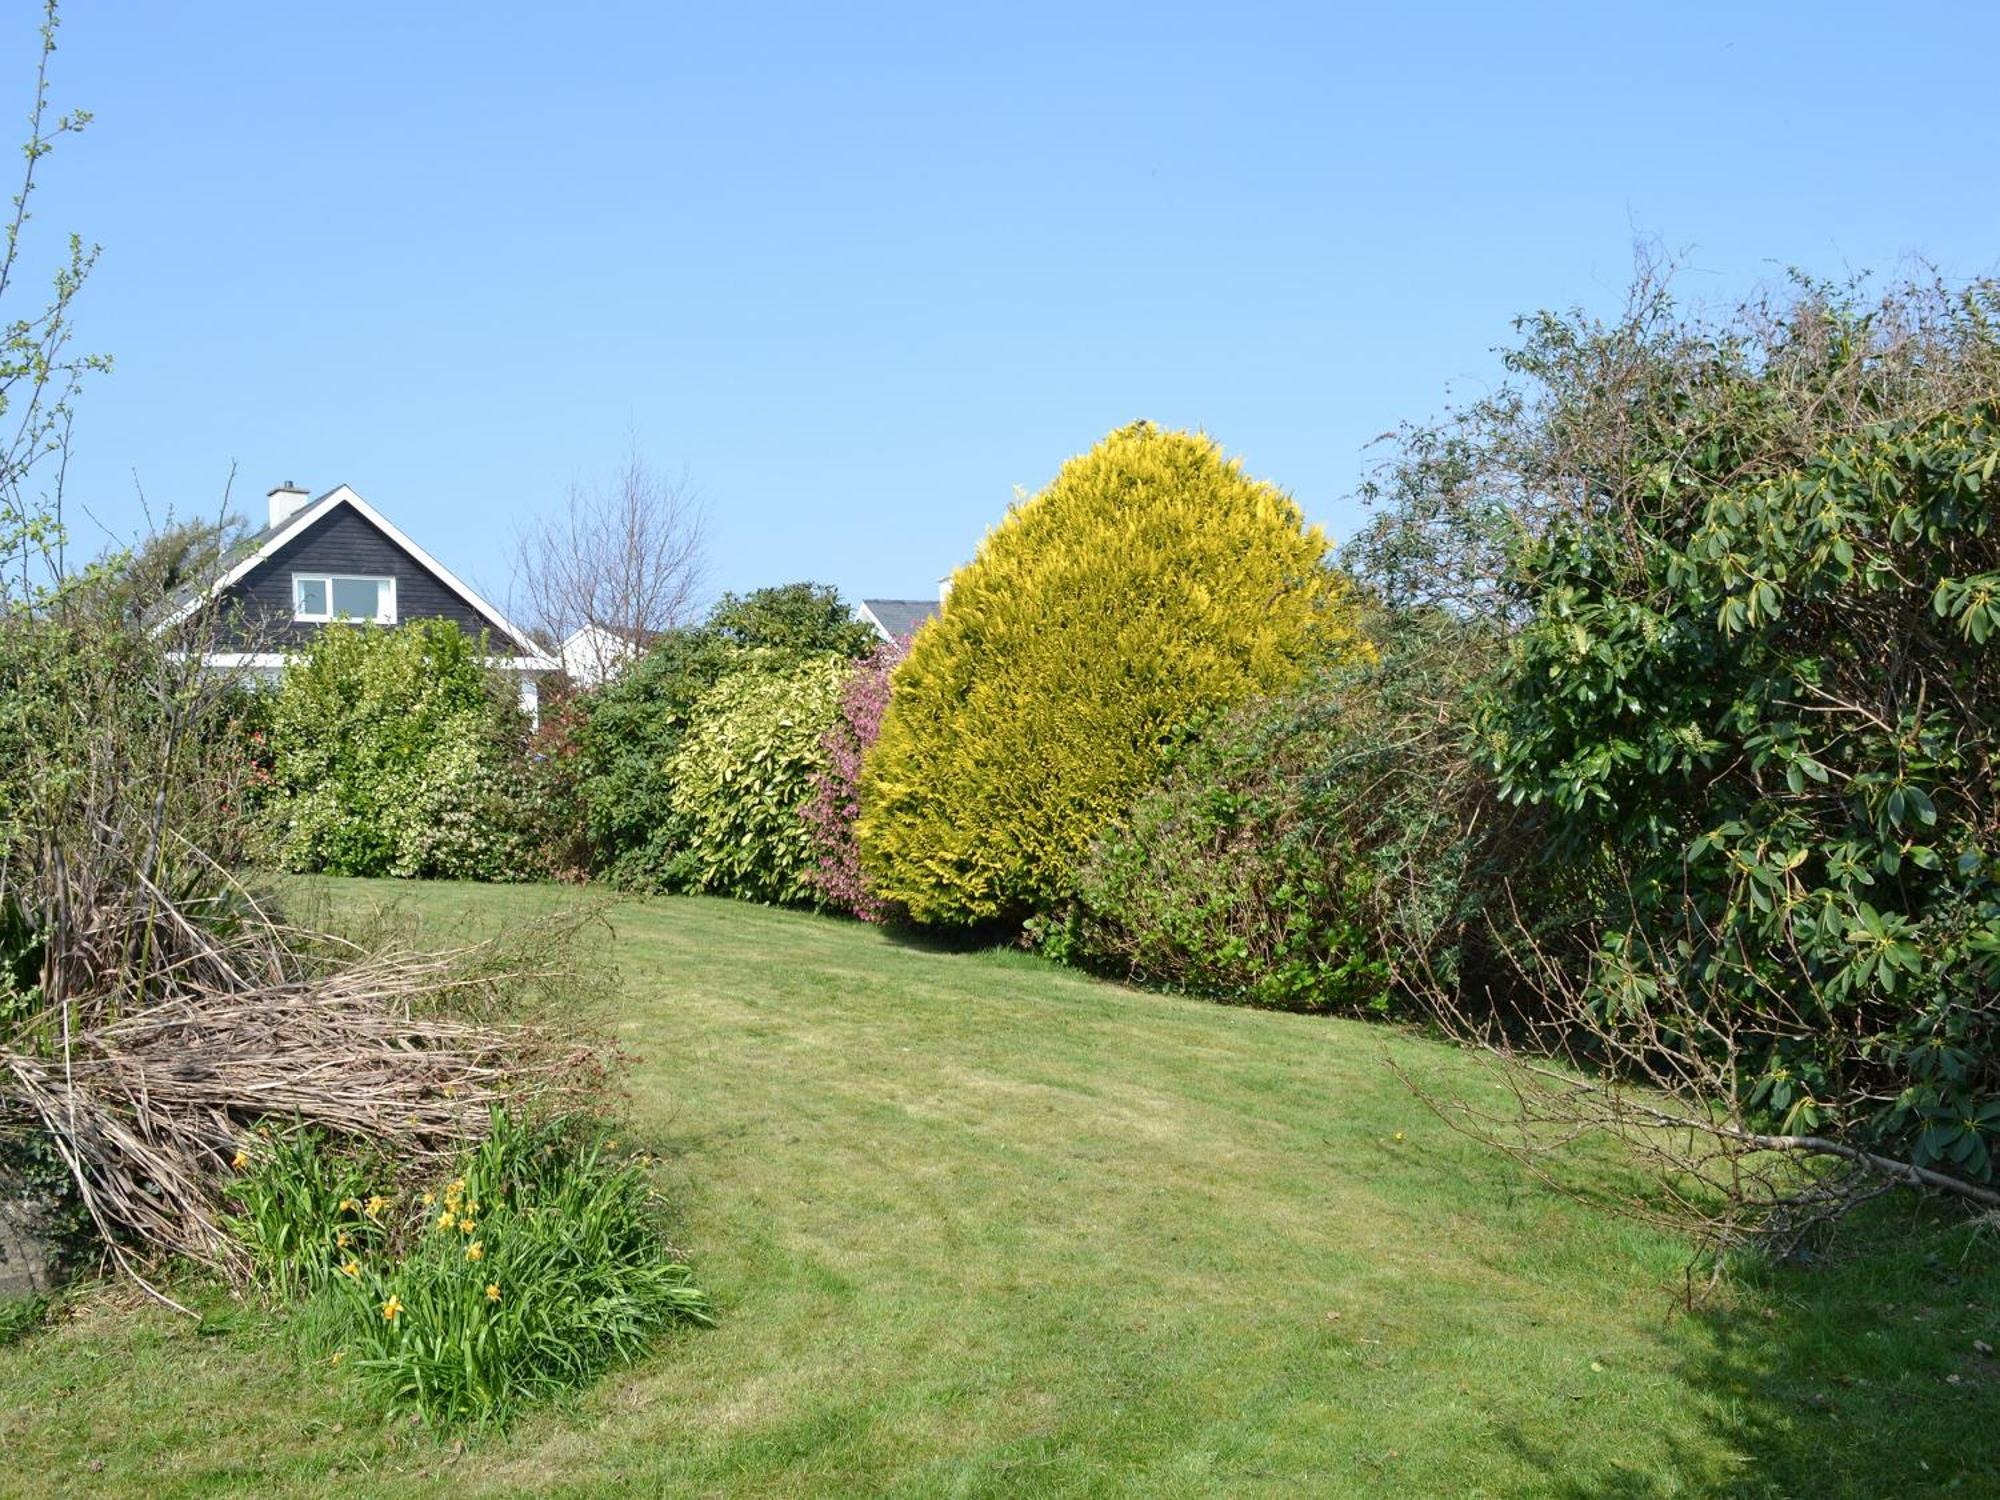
[980, 1227]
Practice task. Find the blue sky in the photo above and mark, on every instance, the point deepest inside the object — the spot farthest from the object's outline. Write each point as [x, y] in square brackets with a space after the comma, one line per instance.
[862, 271]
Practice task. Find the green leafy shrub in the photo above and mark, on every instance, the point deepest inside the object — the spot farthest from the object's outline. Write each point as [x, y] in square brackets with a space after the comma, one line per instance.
[626, 744]
[395, 752]
[796, 619]
[631, 729]
[1152, 583]
[1307, 851]
[551, 785]
[1772, 699]
[830, 814]
[526, 1276]
[1742, 565]
[745, 771]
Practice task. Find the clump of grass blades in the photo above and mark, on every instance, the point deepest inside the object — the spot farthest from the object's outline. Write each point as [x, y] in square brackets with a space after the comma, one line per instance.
[301, 1210]
[519, 1281]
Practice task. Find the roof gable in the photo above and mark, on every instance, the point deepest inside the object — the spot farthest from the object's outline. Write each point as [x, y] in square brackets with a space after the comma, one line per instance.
[254, 551]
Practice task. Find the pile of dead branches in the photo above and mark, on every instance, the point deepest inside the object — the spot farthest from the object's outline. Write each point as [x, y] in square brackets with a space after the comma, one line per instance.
[149, 1109]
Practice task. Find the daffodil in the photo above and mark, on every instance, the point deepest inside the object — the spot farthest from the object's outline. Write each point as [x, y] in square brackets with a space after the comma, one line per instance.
[492, 1291]
[430, 1199]
[375, 1206]
[338, 1356]
[240, 1160]
[342, 1240]
[352, 1270]
[347, 1204]
[444, 1219]
[392, 1309]
[465, 1226]
[476, 1250]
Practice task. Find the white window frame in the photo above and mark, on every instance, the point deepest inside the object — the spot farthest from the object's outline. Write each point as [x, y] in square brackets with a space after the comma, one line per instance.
[385, 592]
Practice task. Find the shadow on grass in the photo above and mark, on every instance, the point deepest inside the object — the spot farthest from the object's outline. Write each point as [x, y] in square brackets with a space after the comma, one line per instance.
[991, 935]
[1865, 1371]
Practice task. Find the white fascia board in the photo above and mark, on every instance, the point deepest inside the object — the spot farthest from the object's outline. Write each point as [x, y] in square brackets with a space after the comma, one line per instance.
[268, 660]
[867, 617]
[274, 659]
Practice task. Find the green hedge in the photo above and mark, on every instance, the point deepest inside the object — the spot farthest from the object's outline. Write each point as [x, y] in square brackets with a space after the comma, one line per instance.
[394, 752]
[744, 772]
[1308, 850]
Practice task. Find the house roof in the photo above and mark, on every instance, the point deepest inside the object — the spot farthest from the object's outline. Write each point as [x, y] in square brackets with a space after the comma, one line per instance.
[631, 635]
[896, 618]
[240, 559]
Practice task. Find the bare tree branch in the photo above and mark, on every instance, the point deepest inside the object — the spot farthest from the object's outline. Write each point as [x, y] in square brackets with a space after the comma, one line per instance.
[627, 560]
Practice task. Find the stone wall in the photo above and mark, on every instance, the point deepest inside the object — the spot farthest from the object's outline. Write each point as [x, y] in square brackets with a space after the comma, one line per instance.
[24, 1253]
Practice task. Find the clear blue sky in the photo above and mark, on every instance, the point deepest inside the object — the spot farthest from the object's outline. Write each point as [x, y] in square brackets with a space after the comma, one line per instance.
[863, 270]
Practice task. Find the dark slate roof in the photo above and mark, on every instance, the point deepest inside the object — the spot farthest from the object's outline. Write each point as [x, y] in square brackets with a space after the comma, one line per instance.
[900, 617]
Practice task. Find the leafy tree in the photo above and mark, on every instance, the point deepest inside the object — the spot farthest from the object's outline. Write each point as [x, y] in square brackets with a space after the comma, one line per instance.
[804, 619]
[1151, 583]
[40, 374]
[125, 585]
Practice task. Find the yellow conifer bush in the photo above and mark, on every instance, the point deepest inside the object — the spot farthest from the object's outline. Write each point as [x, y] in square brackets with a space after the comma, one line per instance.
[1151, 583]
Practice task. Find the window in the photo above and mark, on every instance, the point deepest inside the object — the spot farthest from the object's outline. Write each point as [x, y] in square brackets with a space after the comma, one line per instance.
[326, 596]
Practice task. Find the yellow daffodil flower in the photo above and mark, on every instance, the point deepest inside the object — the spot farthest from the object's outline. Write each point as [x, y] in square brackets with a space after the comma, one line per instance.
[492, 1291]
[391, 1309]
[352, 1270]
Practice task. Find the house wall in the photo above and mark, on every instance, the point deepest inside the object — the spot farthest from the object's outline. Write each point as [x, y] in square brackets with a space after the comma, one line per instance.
[258, 607]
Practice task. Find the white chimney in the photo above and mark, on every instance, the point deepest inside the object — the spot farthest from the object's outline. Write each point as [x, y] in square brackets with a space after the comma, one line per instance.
[287, 500]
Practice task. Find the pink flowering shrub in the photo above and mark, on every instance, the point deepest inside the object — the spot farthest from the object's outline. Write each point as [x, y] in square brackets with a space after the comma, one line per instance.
[835, 802]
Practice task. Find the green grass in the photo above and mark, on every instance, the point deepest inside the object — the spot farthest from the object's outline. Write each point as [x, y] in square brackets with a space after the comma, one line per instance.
[975, 1226]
